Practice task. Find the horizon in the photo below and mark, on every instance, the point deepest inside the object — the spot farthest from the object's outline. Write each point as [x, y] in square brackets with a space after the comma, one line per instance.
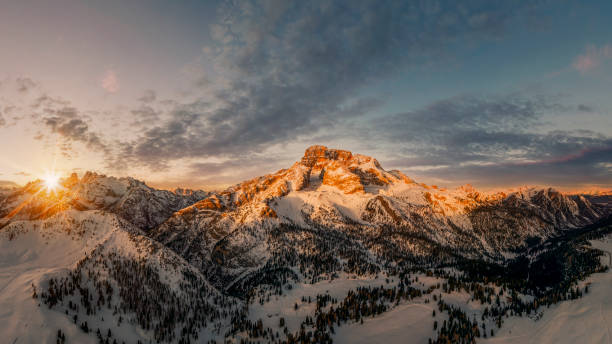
[205, 95]
[220, 188]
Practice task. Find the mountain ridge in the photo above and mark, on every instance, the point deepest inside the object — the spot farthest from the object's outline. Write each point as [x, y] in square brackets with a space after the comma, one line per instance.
[351, 193]
[132, 199]
[103, 247]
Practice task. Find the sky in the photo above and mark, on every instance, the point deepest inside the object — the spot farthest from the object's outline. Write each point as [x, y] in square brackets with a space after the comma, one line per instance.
[205, 94]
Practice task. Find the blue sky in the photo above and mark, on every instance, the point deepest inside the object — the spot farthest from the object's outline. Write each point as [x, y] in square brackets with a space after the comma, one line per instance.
[206, 94]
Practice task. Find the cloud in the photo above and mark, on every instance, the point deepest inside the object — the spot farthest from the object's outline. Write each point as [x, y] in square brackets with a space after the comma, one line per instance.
[464, 113]
[592, 57]
[69, 124]
[282, 70]
[25, 84]
[148, 96]
[236, 166]
[144, 117]
[491, 140]
[110, 82]
[464, 128]
[230, 171]
[281, 73]
[581, 169]
[51, 115]
[45, 100]
[21, 173]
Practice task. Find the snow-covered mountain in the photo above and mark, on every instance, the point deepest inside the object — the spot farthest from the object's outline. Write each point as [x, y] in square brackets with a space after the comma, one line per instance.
[129, 198]
[336, 195]
[175, 266]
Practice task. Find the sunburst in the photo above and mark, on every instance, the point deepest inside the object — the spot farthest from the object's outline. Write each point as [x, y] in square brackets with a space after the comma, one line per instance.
[51, 181]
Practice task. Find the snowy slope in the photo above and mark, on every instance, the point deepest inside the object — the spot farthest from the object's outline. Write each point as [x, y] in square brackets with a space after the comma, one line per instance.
[406, 323]
[33, 252]
[585, 320]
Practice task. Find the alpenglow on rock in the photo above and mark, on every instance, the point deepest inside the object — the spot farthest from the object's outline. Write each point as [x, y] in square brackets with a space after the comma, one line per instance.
[335, 192]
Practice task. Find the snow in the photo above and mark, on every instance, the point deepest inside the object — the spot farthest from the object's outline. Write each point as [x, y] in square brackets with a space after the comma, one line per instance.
[406, 323]
[348, 205]
[39, 251]
[585, 320]
[32, 252]
[283, 305]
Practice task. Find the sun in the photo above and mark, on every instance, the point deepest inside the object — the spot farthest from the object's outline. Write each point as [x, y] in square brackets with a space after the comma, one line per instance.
[51, 181]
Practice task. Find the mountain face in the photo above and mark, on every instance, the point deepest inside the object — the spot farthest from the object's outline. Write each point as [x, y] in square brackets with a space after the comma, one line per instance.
[369, 213]
[129, 198]
[184, 266]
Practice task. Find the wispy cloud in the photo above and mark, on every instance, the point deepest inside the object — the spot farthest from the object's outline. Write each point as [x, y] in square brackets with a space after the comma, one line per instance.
[495, 139]
[70, 125]
[592, 57]
[25, 84]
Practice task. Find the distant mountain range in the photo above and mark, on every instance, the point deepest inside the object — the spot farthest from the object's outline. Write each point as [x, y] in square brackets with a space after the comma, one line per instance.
[173, 266]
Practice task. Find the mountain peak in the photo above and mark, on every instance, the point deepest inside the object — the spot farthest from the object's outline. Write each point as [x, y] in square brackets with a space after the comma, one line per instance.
[317, 153]
[318, 158]
[349, 172]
